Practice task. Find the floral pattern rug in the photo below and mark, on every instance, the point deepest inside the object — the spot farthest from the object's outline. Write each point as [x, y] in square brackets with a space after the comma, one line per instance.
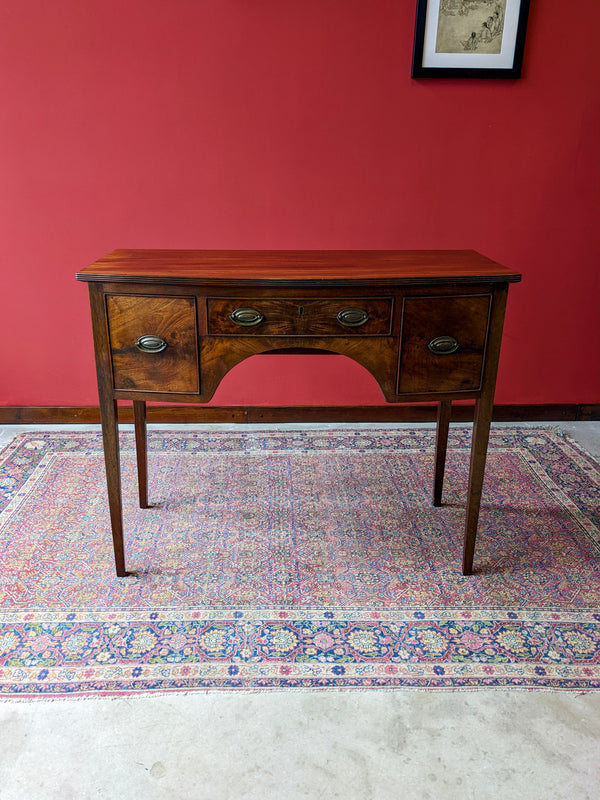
[300, 558]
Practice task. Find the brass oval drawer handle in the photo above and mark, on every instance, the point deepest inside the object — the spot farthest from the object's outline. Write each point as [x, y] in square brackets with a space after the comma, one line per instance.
[444, 345]
[352, 317]
[246, 317]
[149, 343]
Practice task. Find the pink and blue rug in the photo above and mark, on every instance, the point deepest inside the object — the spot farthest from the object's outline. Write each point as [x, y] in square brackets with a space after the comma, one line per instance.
[308, 558]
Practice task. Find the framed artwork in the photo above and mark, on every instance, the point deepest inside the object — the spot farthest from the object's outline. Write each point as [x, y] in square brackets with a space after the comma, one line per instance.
[469, 38]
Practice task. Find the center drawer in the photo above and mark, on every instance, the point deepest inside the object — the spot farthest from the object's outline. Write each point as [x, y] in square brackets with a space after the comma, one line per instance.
[276, 317]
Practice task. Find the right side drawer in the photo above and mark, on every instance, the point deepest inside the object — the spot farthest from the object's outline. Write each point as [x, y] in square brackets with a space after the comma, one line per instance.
[442, 343]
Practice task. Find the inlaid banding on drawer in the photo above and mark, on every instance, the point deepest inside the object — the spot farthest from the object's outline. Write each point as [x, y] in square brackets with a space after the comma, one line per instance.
[238, 316]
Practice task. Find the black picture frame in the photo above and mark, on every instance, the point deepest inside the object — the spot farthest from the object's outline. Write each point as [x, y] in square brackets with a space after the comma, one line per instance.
[491, 49]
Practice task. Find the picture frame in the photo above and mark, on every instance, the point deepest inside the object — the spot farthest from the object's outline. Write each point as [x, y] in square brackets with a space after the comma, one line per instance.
[469, 38]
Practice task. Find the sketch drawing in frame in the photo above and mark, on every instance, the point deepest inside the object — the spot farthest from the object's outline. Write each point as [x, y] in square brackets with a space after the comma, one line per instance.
[469, 38]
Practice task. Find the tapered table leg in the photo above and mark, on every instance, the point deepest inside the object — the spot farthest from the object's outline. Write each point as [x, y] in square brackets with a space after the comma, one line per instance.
[110, 437]
[139, 418]
[481, 433]
[441, 446]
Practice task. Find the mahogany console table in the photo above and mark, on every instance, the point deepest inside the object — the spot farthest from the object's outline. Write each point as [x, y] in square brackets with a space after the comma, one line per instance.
[169, 324]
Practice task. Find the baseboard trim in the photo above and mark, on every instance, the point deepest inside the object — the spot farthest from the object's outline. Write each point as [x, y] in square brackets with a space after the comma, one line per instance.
[89, 415]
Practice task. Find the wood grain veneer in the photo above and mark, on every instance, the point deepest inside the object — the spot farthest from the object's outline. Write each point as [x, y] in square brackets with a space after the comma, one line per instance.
[255, 267]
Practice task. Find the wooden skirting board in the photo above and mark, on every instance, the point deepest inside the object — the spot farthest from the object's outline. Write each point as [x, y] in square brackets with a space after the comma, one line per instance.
[89, 415]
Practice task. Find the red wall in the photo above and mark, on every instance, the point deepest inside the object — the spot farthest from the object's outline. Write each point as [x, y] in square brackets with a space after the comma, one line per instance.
[286, 124]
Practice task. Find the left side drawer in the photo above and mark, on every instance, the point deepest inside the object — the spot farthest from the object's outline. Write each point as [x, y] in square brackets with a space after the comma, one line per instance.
[153, 342]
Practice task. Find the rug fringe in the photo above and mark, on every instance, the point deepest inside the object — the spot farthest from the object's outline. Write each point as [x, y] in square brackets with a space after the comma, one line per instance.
[170, 693]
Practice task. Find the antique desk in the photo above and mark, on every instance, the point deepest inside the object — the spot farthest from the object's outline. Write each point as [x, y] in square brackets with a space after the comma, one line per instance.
[169, 324]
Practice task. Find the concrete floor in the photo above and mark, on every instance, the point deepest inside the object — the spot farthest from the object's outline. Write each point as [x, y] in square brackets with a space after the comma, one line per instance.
[526, 745]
